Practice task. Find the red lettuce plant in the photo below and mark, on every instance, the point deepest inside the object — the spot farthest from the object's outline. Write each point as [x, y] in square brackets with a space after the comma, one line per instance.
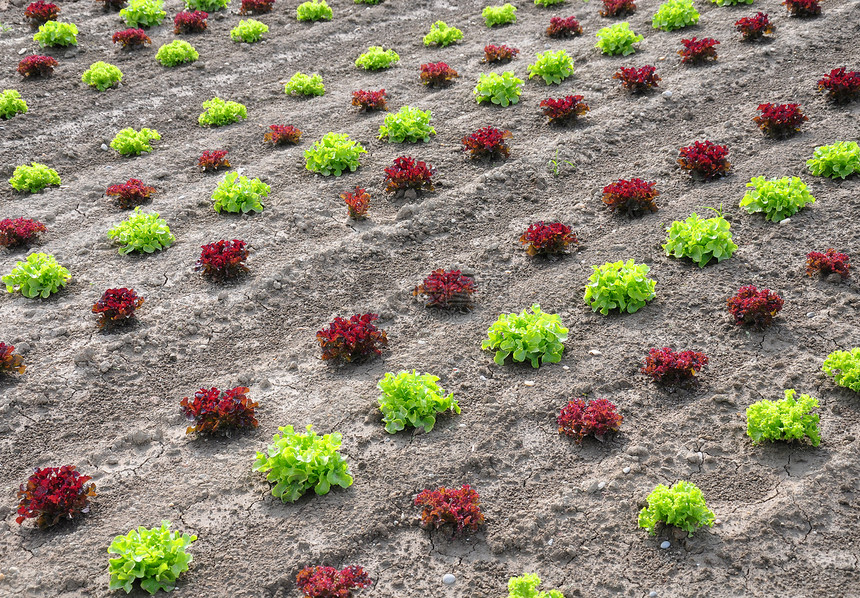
[222, 260]
[564, 110]
[548, 238]
[10, 362]
[829, 262]
[282, 135]
[563, 27]
[705, 159]
[213, 411]
[437, 74]
[617, 8]
[54, 493]
[408, 173]
[754, 307]
[190, 22]
[501, 53]
[357, 202]
[130, 193]
[40, 12]
[779, 120]
[488, 142]
[20, 232]
[459, 507]
[671, 368]
[117, 307]
[633, 197]
[256, 7]
[370, 100]
[213, 160]
[755, 27]
[352, 340]
[131, 38]
[328, 582]
[37, 66]
[841, 85]
[579, 418]
[802, 8]
[447, 289]
[698, 51]
[637, 80]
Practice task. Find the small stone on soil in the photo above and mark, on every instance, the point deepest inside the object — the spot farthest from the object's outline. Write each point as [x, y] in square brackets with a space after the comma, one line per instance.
[529, 383]
[626, 470]
[665, 544]
[448, 579]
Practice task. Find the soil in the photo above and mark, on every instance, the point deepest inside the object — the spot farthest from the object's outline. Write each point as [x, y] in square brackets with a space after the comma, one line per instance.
[108, 402]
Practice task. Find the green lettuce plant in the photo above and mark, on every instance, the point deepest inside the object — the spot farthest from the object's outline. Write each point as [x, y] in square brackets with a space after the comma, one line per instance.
[154, 556]
[176, 52]
[129, 142]
[376, 58]
[700, 239]
[788, 419]
[237, 194]
[536, 337]
[675, 14]
[412, 399]
[248, 31]
[305, 85]
[219, 113]
[621, 285]
[546, 3]
[38, 276]
[844, 366]
[143, 13]
[333, 154]
[499, 15]
[839, 160]
[206, 5]
[407, 124]
[682, 505]
[526, 586]
[11, 104]
[34, 178]
[777, 199]
[442, 35]
[142, 231]
[504, 89]
[316, 10]
[552, 67]
[54, 34]
[102, 75]
[299, 461]
[617, 39]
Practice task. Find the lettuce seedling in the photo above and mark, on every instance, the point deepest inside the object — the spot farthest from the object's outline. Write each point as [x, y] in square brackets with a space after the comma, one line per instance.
[525, 586]
[670, 368]
[552, 67]
[376, 58]
[334, 154]
[10, 362]
[437, 74]
[545, 239]
[618, 8]
[219, 113]
[442, 35]
[410, 399]
[675, 14]
[258, 7]
[779, 120]
[564, 110]
[370, 100]
[447, 290]
[700, 239]
[617, 39]
[777, 199]
[316, 10]
[38, 276]
[633, 197]
[213, 160]
[239, 194]
[580, 418]
[705, 159]
[20, 232]
[371, 2]
[457, 506]
[176, 52]
[621, 285]
[41, 12]
[682, 506]
[501, 53]
[248, 31]
[408, 173]
[223, 260]
[548, 3]
[844, 366]
[53, 34]
[213, 411]
[295, 462]
[536, 337]
[190, 22]
[407, 124]
[731, 2]
[755, 27]
[154, 556]
[488, 143]
[37, 66]
[116, 307]
[11, 104]
[754, 307]
[829, 262]
[301, 84]
[351, 340]
[206, 5]
[802, 8]
[841, 86]
[131, 193]
[143, 13]
[357, 202]
[282, 135]
[638, 80]
[142, 232]
[53, 494]
[328, 582]
[789, 419]
[131, 38]
[698, 51]
[499, 15]
[502, 90]
[129, 142]
[563, 27]
[33, 178]
[102, 75]
[841, 159]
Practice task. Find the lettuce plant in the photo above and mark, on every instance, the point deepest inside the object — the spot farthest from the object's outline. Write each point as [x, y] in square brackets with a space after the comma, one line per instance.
[142, 232]
[176, 52]
[129, 142]
[213, 411]
[789, 419]
[213, 160]
[334, 154]
[33, 178]
[457, 506]
[447, 290]
[53, 34]
[219, 113]
[408, 173]
[580, 418]
[777, 199]
[802, 8]
[143, 13]
[544, 239]
[37, 66]
[487, 143]
[700, 239]
[638, 80]
[328, 582]
[116, 307]
[130, 194]
[731, 2]
[841, 159]
[502, 90]
[754, 307]
[564, 110]
[351, 340]
[316, 10]
[442, 35]
[248, 31]
[20, 232]
[682, 505]
[154, 556]
[239, 194]
[698, 51]
[755, 27]
[526, 586]
[412, 399]
[552, 67]
[779, 120]
[617, 39]
[357, 202]
[301, 84]
[561, 27]
[370, 100]
[437, 74]
[633, 197]
[41, 12]
[621, 285]
[407, 124]
[841, 86]
[376, 58]
[844, 366]
[206, 5]
[536, 337]
[501, 53]
[548, 3]
[223, 260]
[131, 38]
[675, 14]
[37, 276]
[705, 159]
[499, 15]
[829, 262]
[10, 362]
[53, 494]
[282, 135]
[258, 7]
[102, 75]
[190, 22]
[673, 368]
[618, 8]
[11, 104]
[295, 462]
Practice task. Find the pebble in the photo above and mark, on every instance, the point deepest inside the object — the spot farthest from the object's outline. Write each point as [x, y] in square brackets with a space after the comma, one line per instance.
[810, 314]
[601, 485]
[21, 51]
[104, 147]
[626, 470]
[529, 383]
[665, 544]
[652, 595]
[448, 579]
[667, 94]
[595, 352]
[786, 221]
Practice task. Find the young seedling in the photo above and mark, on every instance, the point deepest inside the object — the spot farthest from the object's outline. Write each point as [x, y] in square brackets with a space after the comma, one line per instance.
[639, 80]
[458, 506]
[620, 285]
[54, 494]
[131, 38]
[408, 173]
[499, 54]
[841, 86]
[447, 290]
[618, 8]
[844, 366]
[675, 14]
[117, 307]
[698, 51]
[670, 368]
[754, 307]
[755, 27]
[437, 74]
[442, 35]
[328, 582]
[38, 276]
[154, 556]
[370, 101]
[546, 239]
[563, 27]
[413, 400]
[223, 260]
[20, 232]
[633, 197]
[802, 8]
[581, 418]
[829, 262]
[487, 143]
[779, 120]
[37, 66]
[352, 340]
[787, 420]
[10, 362]
[102, 75]
[282, 135]
[213, 160]
[705, 159]
[190, 22]
[777, 199]
[839, 160]
[357, 203]
[682, 506]
[536, 337]
[215, 412]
